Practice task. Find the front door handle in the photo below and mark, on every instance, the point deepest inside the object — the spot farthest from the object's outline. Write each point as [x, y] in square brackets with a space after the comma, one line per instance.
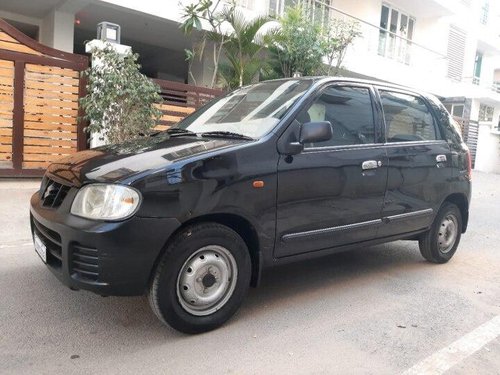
[371, 164]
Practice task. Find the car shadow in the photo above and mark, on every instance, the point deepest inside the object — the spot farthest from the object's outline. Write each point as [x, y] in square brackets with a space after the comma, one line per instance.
[352, 269]
[100, 319]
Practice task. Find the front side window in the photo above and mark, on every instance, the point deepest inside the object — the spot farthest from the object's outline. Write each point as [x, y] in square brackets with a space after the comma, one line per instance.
[349, 110]
[251, 111]
[407, 118]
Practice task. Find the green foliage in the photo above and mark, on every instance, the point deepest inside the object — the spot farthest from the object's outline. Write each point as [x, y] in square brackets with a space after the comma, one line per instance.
[242, 50]
[300, 45]
[207, 10]
[337, 36]
[213, 13]
[120, 100]
[297, 45]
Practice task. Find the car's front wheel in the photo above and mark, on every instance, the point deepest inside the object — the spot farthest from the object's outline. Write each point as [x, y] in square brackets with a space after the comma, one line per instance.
[202, 278]
[440, 243]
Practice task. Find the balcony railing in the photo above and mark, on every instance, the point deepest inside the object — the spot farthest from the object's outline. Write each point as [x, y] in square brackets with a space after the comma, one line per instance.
[476, 81]
[378, 45]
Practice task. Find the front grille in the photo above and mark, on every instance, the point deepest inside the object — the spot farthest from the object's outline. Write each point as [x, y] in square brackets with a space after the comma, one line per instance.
[52, 193]
[85, 262]
[52, 241]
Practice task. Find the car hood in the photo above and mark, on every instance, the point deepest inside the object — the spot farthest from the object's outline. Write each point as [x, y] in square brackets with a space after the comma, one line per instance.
[114, 163]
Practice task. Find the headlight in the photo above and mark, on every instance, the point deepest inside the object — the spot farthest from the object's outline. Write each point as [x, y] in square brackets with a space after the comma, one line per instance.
[105, 202]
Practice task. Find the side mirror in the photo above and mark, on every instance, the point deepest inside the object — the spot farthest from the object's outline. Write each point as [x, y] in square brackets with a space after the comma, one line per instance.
[292, 141]
[317, 131]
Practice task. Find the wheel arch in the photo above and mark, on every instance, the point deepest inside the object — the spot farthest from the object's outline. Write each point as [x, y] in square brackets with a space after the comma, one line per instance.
[240, 225]
[461, 201]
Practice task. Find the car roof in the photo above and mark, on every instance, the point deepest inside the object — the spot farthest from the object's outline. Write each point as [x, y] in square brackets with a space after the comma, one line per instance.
[319, 80]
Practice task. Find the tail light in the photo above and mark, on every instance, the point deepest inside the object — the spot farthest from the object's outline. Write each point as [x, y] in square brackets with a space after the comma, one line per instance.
[469, 165]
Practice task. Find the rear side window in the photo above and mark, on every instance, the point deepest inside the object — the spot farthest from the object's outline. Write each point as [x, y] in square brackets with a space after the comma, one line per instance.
[407, 118]
[349, 110]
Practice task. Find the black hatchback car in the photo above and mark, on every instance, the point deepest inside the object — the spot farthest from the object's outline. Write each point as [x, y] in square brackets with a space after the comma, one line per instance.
[275, 172]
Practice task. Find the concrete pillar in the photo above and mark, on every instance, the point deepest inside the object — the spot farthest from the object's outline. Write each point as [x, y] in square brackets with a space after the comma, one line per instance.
[57, 30]
[203, 70]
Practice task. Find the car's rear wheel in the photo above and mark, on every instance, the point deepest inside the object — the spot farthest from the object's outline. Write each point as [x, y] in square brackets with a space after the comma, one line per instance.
[201, 279]
[440, 243]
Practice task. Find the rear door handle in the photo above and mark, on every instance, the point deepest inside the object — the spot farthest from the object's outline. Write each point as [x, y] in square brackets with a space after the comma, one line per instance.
[440, 161]
[371, 164]
[441, 158]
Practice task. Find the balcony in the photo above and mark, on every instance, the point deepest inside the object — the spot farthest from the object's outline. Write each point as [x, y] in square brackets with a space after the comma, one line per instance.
[489, 37]
[432, 8]
[384, 55]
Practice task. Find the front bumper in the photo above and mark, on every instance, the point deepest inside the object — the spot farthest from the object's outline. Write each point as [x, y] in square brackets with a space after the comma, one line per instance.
[108, 258]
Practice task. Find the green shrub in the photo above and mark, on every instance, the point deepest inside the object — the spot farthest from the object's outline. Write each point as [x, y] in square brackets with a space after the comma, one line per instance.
[120, 101]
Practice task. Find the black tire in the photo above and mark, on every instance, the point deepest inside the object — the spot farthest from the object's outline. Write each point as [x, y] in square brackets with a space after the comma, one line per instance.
[182, 264]
[439, 244]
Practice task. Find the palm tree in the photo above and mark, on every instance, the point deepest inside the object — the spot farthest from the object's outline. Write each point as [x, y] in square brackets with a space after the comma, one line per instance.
[243, 50]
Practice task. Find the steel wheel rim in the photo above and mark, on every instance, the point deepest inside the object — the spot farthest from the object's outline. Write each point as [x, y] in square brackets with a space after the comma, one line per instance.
[447, 233]
[207, 280]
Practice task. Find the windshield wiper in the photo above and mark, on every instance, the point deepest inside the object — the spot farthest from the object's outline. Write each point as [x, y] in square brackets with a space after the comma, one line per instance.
[180, 131]
[225, 134]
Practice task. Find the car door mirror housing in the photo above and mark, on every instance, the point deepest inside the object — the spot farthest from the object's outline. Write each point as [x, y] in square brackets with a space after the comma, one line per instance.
[316, 131]
[293, 140]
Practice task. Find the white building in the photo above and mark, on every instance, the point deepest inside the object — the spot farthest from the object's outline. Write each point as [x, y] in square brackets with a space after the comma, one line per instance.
[448, 47]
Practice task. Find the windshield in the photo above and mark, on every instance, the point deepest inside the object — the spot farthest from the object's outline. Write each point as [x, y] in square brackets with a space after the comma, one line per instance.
[251, 111]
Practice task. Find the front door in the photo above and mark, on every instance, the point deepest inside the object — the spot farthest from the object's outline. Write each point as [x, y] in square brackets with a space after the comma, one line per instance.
[332, 193]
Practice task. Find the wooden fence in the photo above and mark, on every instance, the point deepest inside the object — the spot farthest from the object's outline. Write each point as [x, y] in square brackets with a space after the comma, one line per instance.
[40, 113]
[39, 109]
[181, 100]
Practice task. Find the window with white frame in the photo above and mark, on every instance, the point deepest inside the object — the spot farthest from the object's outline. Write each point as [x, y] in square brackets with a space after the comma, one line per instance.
[317, 10]
[249, 4]
[485, 10]
[478, 61]
[455, 109]
[277, 7]
[486, 113]
[396, 33]
[273, 8]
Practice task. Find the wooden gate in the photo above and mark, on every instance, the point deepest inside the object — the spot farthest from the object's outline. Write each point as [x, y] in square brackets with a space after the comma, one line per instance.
[39, 108]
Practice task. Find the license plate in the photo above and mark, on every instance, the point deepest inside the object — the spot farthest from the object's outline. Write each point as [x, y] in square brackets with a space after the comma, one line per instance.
[40, 248]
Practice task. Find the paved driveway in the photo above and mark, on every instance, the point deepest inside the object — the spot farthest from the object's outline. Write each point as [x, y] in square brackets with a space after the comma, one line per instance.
[376, 310]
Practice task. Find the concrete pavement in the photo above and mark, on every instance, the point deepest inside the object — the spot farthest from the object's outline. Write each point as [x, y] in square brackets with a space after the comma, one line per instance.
[376, 310]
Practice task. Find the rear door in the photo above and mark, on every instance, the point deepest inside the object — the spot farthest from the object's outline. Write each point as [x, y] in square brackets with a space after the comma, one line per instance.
[332, 193]
[419, 163]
